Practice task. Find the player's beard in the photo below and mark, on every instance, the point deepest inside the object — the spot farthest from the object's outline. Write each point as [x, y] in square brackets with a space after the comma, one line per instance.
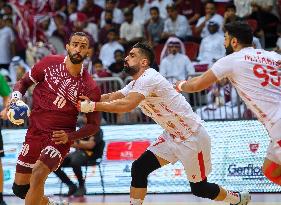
[229, 49]
[76, 58]
[131, 70]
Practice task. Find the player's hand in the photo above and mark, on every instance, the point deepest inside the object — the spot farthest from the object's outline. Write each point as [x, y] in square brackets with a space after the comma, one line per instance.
[60, 137]
[86, 105]
[3, 114]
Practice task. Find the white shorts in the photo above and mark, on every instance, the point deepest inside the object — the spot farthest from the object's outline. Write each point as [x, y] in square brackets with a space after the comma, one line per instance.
[194, 153]
[274, 147]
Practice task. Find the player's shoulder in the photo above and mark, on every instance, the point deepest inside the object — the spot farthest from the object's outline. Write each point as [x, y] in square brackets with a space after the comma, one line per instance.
[88, 80]
[150, 73]
[227, 58]
[53, 59]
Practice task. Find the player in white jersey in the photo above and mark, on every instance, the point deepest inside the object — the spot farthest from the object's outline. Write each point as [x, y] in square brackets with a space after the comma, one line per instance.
[254, 73]
[184, 138]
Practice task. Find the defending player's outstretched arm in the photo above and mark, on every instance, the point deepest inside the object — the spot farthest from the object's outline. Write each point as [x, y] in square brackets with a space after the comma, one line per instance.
[125, 104]
[197, 84]
[111, 96]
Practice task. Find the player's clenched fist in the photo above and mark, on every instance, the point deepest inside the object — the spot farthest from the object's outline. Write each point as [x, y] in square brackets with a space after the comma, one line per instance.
[86, 105]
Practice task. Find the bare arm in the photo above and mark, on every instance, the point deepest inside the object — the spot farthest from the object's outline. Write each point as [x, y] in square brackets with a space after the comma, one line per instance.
[198, 83]
[23, 84]
[111, 96]
[125, 104]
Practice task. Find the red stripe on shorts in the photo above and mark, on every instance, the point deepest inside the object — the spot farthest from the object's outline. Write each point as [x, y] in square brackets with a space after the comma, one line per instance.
[201, 165]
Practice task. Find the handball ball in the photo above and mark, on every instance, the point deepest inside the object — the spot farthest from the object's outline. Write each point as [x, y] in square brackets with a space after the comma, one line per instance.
[18, 112]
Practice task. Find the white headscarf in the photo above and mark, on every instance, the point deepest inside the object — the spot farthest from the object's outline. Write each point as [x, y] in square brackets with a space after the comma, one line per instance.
[16, 61]
[165, 51]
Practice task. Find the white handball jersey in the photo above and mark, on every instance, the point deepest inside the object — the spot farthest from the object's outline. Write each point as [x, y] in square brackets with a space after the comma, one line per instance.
[254, 73]
[164, 105]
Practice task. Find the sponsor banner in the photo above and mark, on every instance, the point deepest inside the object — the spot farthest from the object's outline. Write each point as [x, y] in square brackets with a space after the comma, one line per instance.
[238, 151]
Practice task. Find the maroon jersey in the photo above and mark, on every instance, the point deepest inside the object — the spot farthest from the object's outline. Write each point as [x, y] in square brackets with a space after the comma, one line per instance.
[55, 95]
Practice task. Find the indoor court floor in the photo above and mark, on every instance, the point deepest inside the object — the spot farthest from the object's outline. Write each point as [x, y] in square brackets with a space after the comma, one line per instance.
[156, 199]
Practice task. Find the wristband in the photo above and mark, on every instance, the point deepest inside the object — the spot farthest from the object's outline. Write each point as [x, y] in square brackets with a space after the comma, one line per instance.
[87, 106]
[179, 87]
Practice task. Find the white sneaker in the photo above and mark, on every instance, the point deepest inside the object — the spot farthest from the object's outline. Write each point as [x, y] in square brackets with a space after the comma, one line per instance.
[245, 198]
[52, 202]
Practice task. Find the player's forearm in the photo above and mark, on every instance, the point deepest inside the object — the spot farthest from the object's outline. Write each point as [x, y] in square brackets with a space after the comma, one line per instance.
[83, 132]
[116, 106]
[192, 86]
[23, 84]
[111, 96]
[6, 100]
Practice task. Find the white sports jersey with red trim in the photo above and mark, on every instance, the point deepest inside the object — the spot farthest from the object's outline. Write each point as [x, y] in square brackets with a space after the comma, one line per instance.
[254, 73]
[164, 105]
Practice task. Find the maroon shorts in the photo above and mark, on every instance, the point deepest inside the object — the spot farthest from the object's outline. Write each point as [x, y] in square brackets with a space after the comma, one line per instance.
[40, 147]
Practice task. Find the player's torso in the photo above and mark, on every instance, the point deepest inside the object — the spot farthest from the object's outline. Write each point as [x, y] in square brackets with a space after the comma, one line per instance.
[170, 110]
[59, 91]
[55, 98]
[257, 81]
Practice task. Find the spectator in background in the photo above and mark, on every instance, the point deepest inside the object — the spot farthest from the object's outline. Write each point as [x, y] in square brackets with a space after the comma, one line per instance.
[266, 6]
[243, 8]
[210, 15]
[7, 44]
[72, 8]
[17, 69]
[222, 103]
[4, 93]
[118, 17]
[130, 32]
[230, 14]
[44, 30]
[108, 49]
[8, 12]
[92, 11]
[176, 25]
[141, 12]
[117, 67]
[62, 31]
[100, 71]
[191, 9]
[81, 20]
[86, 149]
[212, 46]
[175, 65]
[161, 5]
[155, 26]
[267, 24]
[109, 24]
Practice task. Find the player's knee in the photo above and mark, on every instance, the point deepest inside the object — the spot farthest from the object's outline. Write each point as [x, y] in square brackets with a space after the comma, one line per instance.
[139, 175]
[39, 174]
[20, 190]
[205, 189]
[142, 167]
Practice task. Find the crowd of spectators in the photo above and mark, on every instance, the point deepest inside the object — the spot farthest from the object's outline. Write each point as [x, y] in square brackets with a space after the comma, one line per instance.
[31, 29]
